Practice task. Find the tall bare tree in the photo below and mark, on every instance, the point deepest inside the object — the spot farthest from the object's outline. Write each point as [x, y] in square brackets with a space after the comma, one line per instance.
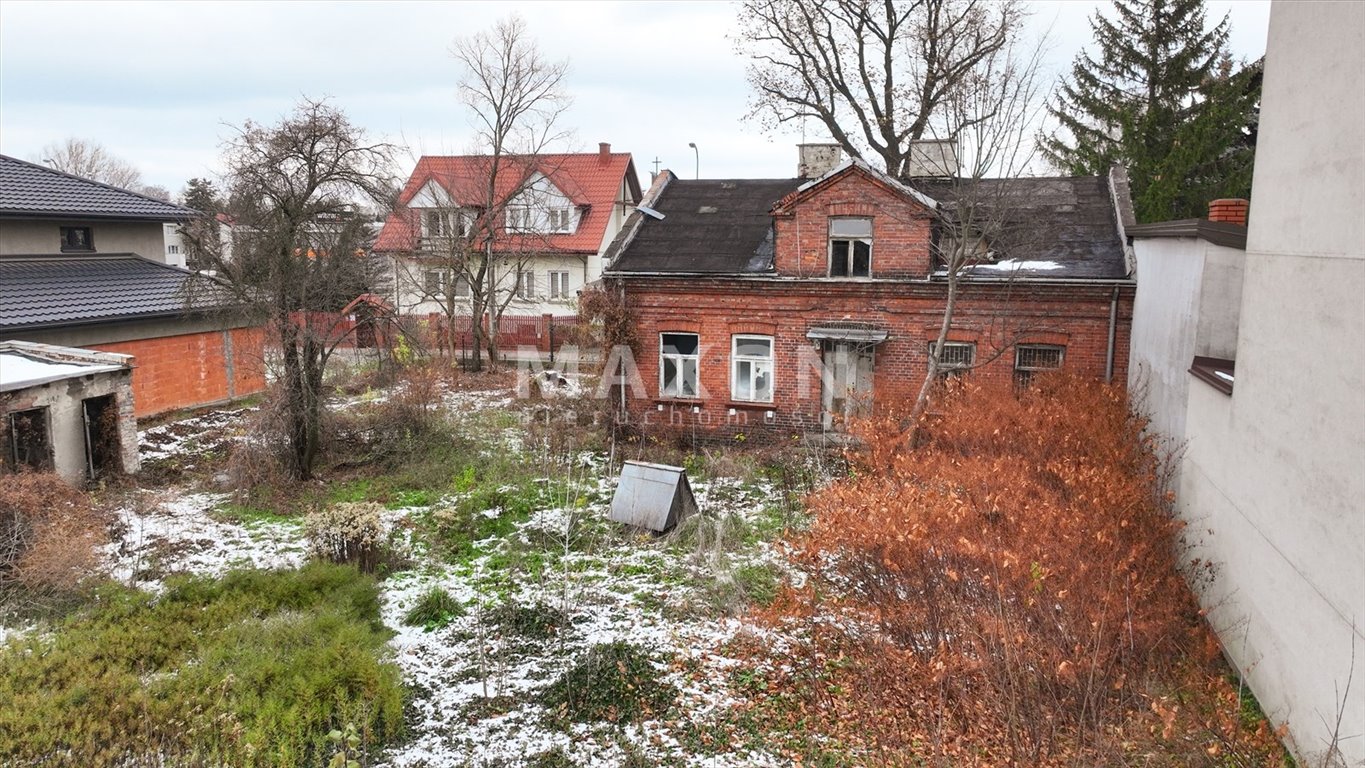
[90, 160]
[515, 97]
[983, 214]
[297, 254]
[872, 72]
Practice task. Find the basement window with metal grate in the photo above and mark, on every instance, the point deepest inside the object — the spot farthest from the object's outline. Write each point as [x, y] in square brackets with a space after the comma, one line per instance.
[1029, 359]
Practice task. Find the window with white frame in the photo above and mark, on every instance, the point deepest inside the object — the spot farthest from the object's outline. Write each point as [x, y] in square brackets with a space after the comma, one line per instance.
[751, 368]
[518, 217]
[956, 358]
[679, 356]
[559, 285]
[460, 287]
[433, 281]
[561, 220]
[438, 223]
[173, 249]
[850, 247]
[1029, 359]
[526, 284]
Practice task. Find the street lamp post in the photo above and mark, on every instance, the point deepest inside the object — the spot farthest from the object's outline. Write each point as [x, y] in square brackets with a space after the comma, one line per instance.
[697, 153]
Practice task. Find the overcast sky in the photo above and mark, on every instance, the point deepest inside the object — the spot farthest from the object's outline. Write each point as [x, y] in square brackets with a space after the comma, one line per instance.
[158, 83]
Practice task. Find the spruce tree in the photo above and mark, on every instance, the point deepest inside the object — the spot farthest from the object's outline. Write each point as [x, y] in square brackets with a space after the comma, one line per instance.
[1161, 99]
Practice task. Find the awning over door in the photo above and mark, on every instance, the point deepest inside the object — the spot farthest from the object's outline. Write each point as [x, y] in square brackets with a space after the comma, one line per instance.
[862, 334]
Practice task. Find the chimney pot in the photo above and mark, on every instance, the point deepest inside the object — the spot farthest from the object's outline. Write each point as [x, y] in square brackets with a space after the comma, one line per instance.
[1229, 210]
[604, 151]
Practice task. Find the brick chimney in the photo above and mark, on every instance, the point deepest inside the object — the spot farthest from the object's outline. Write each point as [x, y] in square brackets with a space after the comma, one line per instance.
[603, 152]
[1229, 210]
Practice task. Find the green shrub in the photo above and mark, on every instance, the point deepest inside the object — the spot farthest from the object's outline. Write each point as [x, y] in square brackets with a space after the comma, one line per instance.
[616, 682]
[433, 610]
[254, 669]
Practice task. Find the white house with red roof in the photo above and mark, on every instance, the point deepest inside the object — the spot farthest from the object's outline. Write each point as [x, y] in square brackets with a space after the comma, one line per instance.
[548, 220]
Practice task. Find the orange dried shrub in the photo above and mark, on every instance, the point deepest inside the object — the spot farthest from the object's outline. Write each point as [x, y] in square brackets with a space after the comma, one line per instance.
[1004, 593]
[49, 537]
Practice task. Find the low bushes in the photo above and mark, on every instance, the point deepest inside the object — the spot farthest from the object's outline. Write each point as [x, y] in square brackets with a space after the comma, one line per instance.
[49, 539]
[614, 682]
[1006, 592]
[349, 532]
[254, 669]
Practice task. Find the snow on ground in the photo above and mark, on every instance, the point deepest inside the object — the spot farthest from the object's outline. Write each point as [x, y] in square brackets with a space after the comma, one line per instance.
[475, 688]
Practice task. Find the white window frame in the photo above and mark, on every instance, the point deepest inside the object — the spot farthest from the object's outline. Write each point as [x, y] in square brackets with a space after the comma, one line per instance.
[946, 369]
[682, 363]
[559, 284]
[848, 243]
[561, 219]
[759, 366]
[1025, 370]
[526, 284]
[519, 218]
[433, 281]
[459, 287]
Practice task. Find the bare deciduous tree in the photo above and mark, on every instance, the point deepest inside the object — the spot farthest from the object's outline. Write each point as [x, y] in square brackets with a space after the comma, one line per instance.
[297, 256]
[992, 114]
[90, 160]
[874, 73]
[516, 97]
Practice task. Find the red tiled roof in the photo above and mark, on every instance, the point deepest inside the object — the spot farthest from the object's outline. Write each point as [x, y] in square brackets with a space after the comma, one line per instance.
[589, 179]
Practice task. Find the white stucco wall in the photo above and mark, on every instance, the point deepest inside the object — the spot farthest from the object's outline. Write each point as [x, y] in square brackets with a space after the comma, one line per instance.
[38, 237]
[1276, 471]
[1188, 302]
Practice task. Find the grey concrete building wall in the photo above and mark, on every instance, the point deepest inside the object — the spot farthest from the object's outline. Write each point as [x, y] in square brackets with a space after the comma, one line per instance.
[32, 237]
[1276, 471]
[63, 403]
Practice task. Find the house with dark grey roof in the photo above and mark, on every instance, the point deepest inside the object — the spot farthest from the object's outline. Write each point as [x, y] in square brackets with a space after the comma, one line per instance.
[792, 304]
[83, 264]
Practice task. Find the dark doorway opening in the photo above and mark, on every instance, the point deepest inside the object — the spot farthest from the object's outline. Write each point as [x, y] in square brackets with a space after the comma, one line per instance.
[29, 443]
[102, 454]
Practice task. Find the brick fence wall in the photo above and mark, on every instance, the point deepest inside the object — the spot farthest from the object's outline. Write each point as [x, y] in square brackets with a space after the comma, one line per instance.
[193, 369]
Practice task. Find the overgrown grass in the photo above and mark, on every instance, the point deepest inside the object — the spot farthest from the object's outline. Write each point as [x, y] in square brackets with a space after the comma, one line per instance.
[252, 669]
[433, 610]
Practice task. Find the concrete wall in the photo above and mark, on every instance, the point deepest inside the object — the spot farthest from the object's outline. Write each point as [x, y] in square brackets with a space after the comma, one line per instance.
[35, 237]
[1188, 301]
[65, 418]
[1277, 470]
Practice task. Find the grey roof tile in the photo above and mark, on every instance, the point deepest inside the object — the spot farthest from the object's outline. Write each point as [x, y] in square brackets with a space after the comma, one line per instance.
[1065, 226]
[44, 291]
[709, 227]
[27, 189]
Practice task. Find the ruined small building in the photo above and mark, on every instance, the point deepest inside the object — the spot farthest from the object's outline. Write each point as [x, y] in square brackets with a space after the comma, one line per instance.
[790, 305]
[67, 410]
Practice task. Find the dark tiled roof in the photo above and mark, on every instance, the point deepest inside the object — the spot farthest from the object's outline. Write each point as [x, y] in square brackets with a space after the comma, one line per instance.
[1051, 227]
[709, 227]
[34, 190]
[1056, 227]
[43, 291]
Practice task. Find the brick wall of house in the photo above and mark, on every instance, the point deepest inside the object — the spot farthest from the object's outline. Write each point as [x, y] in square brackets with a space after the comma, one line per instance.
[188, 370]
[995, 317]
[901, 228]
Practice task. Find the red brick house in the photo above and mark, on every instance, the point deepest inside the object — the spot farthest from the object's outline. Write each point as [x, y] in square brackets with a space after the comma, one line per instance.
[791, 303]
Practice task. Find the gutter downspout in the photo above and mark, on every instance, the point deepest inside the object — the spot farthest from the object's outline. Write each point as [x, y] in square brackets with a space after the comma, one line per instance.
[1113, 328]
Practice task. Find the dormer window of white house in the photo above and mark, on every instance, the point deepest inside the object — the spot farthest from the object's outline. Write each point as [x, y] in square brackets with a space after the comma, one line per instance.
[440, 223]
[850, 247]
[519, 218]
[561, 220]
